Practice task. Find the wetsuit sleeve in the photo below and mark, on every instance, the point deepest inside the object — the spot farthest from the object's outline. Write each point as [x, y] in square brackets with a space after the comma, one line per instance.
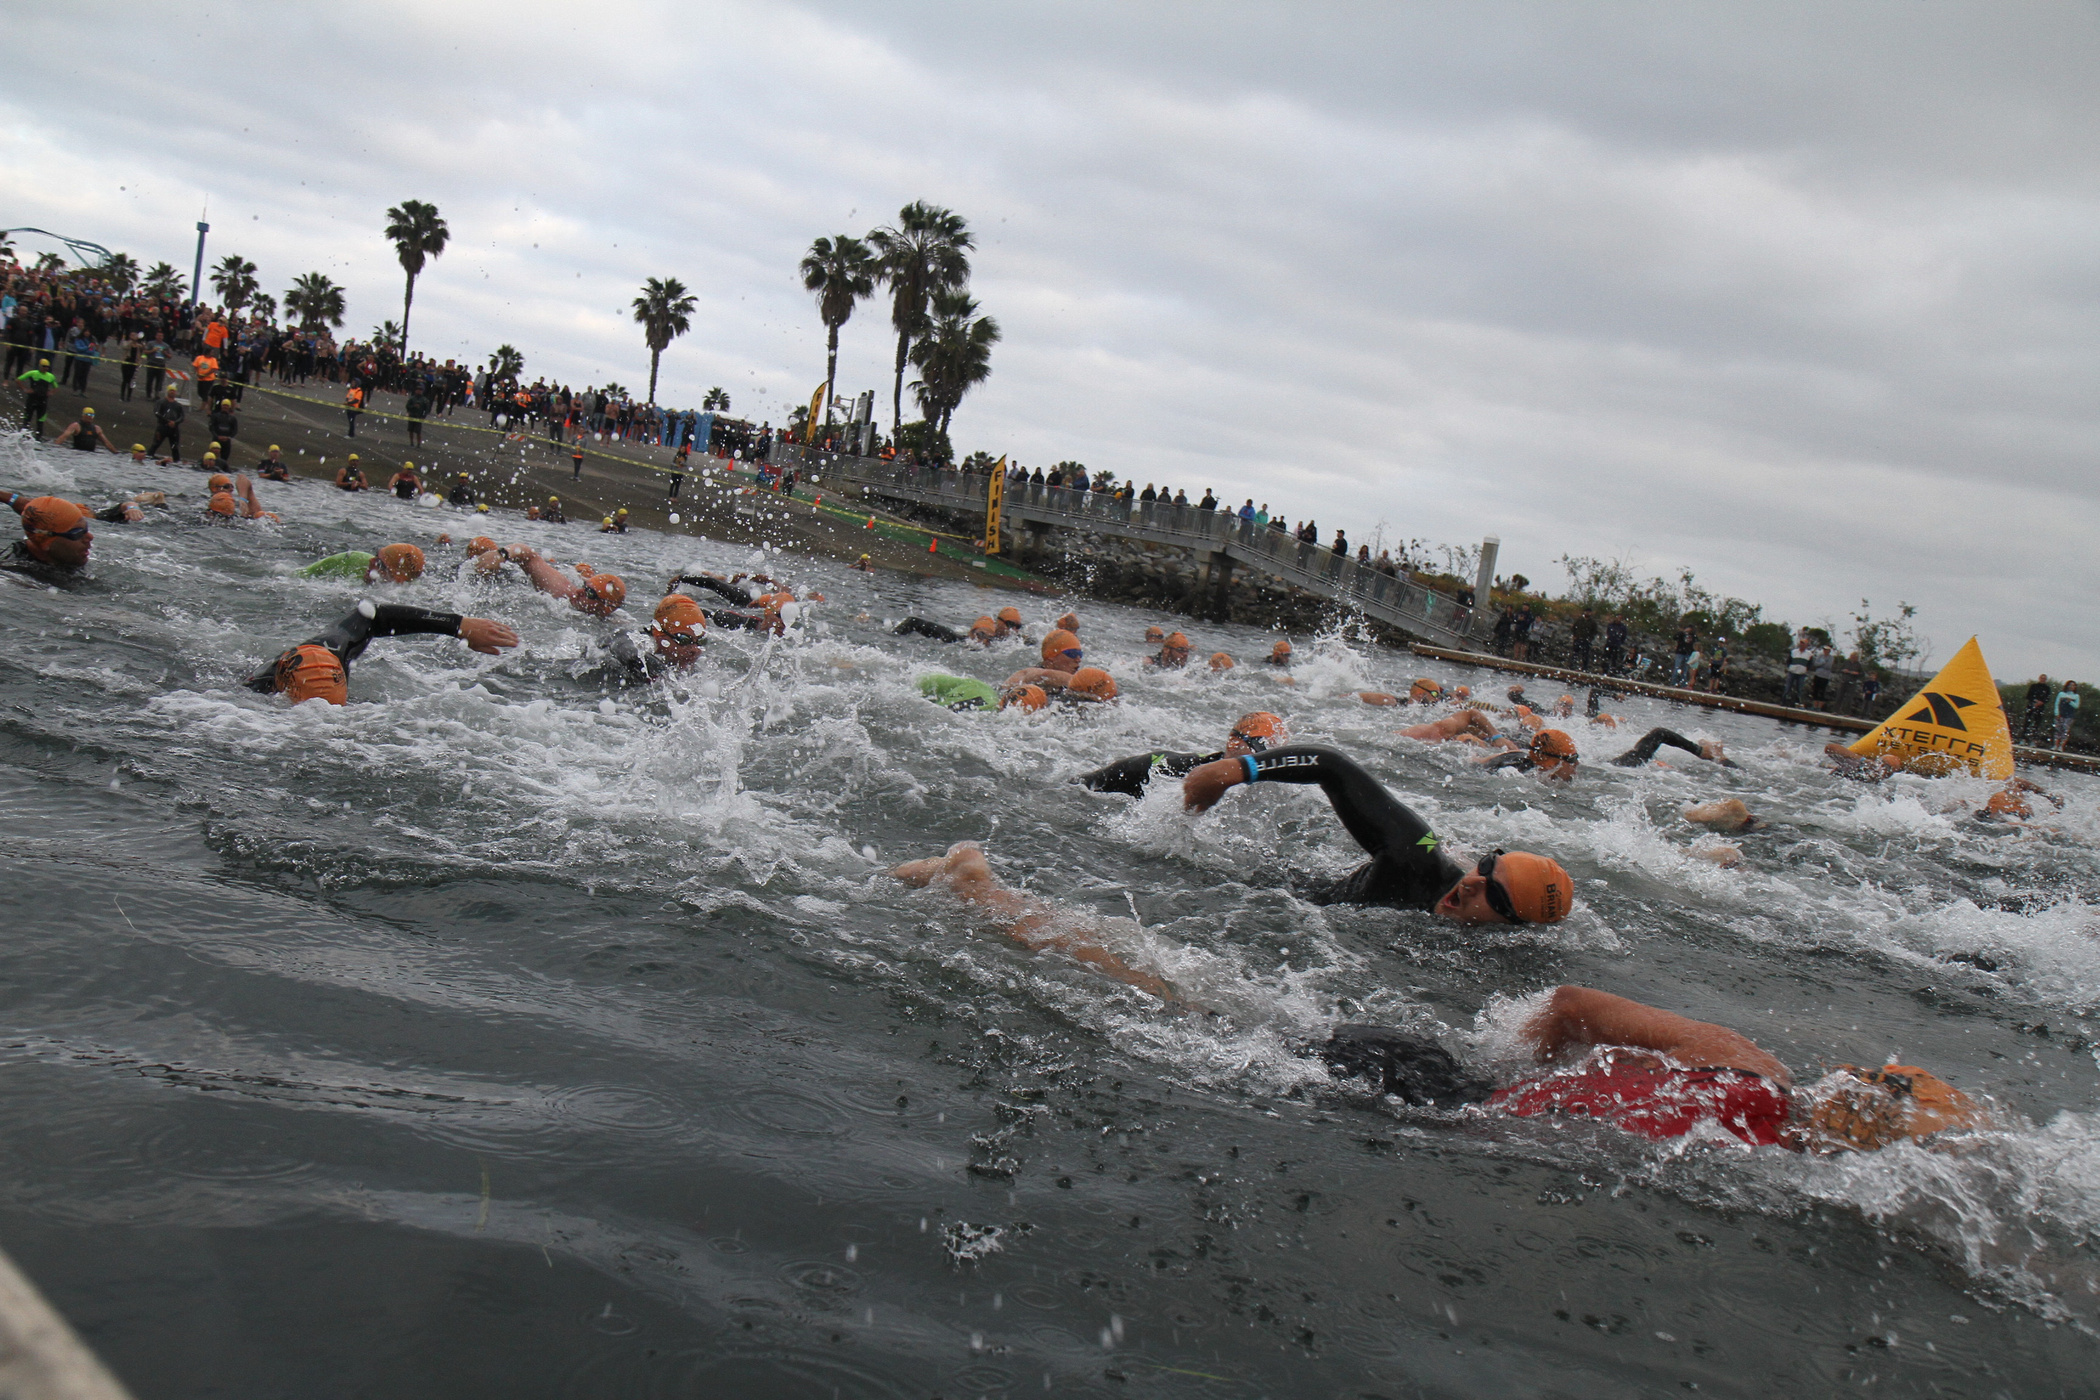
[1375, 819]
[1129, 776]
[734, 593]
[349, 636]
[732, 621]
[628, 656]
[920, 627]
[114, 515]
[1518, 759]
[1654, 739]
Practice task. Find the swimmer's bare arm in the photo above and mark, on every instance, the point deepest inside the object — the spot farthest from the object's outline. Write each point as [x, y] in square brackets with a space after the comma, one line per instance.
[1037, 675]
[1583, 1016]
[1454, 726]
[545, 577]
[1030, 922]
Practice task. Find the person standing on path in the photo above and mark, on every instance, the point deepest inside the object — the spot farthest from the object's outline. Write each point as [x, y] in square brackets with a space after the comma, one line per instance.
[353, 404]
[134, 347]
[1797, 669]
[1849, 677]
[37, 385]
[167, 423]
[2066, 711]
[156, 367]
[2036, 719]
[1822, 666]
[1615, 645]
[1582, 638]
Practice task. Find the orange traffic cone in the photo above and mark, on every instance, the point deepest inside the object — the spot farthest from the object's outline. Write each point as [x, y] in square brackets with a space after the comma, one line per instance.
[933, 546]
[870, 525]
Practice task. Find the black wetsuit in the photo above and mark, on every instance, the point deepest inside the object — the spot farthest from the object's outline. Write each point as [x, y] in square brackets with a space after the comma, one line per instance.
[1519, 759]
[1408, 868]
[631, 659]
[1654, 739]
[735, 593]
[920, 627]
[349, 637]
[1130, 775]
[18, 560]
[736, 621]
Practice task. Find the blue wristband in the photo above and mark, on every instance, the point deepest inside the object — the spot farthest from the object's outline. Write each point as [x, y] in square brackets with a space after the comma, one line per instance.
[1253, 769]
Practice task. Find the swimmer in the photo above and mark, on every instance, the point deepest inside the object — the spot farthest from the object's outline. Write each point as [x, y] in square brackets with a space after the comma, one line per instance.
[864, 564]
[965, 693]
[394, 563]
[1069, 622]
[1658, 1075]
[485, 556]
[1466, 725]
[714, 583]
[1088, 685]
[1009, 620]
[1593, 709]
[1729, 814]
[1173, 653]
[1279, 655]
[234, 500]
[1423, 692]
[553, 513]
[1061, 654]
[319, 667]
[1254, 733]
[350, 476]
[405, 484]
[273, 467]
[55, 538]
[1155, 636]
[598, 595]
[462, 492]
[1220, 662]
[1644, 751]
[1564, 707]
[677, 632]
[614, 524]
[84, 434]
[983, 631]
[1551, 754]
[1033, 923]
[1407, 869]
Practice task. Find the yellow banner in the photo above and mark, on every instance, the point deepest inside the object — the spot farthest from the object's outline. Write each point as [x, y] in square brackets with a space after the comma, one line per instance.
[992, 497]
[816, 415]
[1956, 721]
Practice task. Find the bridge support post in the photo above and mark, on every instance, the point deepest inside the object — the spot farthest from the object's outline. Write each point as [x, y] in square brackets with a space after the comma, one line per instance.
[1483, 585]
[1218, 585]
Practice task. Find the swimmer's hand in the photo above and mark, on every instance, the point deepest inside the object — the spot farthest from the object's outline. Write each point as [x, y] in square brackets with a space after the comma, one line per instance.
[520, 554]
[485, 636]
[1204, 786]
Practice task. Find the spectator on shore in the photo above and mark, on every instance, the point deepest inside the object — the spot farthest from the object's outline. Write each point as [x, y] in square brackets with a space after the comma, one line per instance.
[1582, 637]
[1822, 665]
[2039, 694]
[1505, 630]
[1209, 501]
[1614, 645]
[1869, 692]
[1797, 662]
[2066, 711]
[1520, 633]
[1687, 647]
[1849, 676]
[1717, 667]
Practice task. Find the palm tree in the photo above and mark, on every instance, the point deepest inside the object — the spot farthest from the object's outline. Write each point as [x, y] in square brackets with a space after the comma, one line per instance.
[953, 355]
[163, 282]
[841, 271]
[716, 400]
[506, 363]
[664, 311]
[418, 234]
[264, 305]
[49, 262]
[233, 278]
[315, 299]
[121, 272]
[927, 249]
[7, 247]
[386, 333]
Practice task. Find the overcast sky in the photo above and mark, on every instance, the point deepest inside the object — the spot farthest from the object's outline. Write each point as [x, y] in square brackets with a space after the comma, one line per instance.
[1802, 297]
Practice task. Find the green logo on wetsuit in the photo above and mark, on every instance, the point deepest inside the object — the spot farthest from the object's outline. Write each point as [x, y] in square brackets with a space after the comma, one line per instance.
[1428, 840]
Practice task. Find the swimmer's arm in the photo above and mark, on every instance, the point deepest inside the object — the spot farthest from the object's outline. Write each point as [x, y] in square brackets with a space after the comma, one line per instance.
[1583, 1016]
[545, 577]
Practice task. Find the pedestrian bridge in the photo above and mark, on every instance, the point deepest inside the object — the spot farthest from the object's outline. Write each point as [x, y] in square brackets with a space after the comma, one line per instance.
[1220, 540]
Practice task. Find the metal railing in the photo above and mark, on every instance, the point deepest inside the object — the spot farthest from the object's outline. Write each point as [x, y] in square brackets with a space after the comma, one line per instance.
[1389, 598]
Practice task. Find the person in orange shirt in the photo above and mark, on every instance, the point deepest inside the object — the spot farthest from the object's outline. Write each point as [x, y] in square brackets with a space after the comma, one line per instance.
[353, 404]
[206, 367]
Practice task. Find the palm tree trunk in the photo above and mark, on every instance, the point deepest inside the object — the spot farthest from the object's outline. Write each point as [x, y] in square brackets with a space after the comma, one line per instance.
[897, 393]
[655, 355]
[831, 368]
[407, 301]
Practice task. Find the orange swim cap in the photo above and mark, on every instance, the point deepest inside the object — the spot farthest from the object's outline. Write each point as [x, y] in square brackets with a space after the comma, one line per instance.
[608, 589]
[1061, 645]
[1553, 744]
[1155, 635]
[1260, 730]
[312, 672]
[677, 612]
[1028, 697]
[52, 515]
[1539, 890]
[401, 563]
[984, 629]
[2008, 804]
[1010, 616]
[1178, 641]
[1094, 683]
[1424, 689]
[1280, 649]
[1464, 692]
[218, 481]
[480, 544]
[1862, 1109]
[223, 503]
[1070, 622]
[1219, 661]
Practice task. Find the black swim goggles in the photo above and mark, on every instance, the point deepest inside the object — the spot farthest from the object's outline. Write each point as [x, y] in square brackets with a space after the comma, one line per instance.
[679, 639]
[1252, 741]
[1497, 896]
[78, 532]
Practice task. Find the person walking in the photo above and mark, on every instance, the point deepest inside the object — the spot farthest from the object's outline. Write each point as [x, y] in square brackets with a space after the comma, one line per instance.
[353, 405]
[128, 368]
[167, 423]
[37, 385]
[2066, 712]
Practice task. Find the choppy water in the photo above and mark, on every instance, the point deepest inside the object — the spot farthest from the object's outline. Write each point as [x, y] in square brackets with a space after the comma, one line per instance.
[493, 1035]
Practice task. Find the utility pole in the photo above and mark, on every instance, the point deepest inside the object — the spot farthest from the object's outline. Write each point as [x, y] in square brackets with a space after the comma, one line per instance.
[197, 277]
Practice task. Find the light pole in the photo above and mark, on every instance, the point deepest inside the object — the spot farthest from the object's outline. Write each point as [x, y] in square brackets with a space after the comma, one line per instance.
[197, 277]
